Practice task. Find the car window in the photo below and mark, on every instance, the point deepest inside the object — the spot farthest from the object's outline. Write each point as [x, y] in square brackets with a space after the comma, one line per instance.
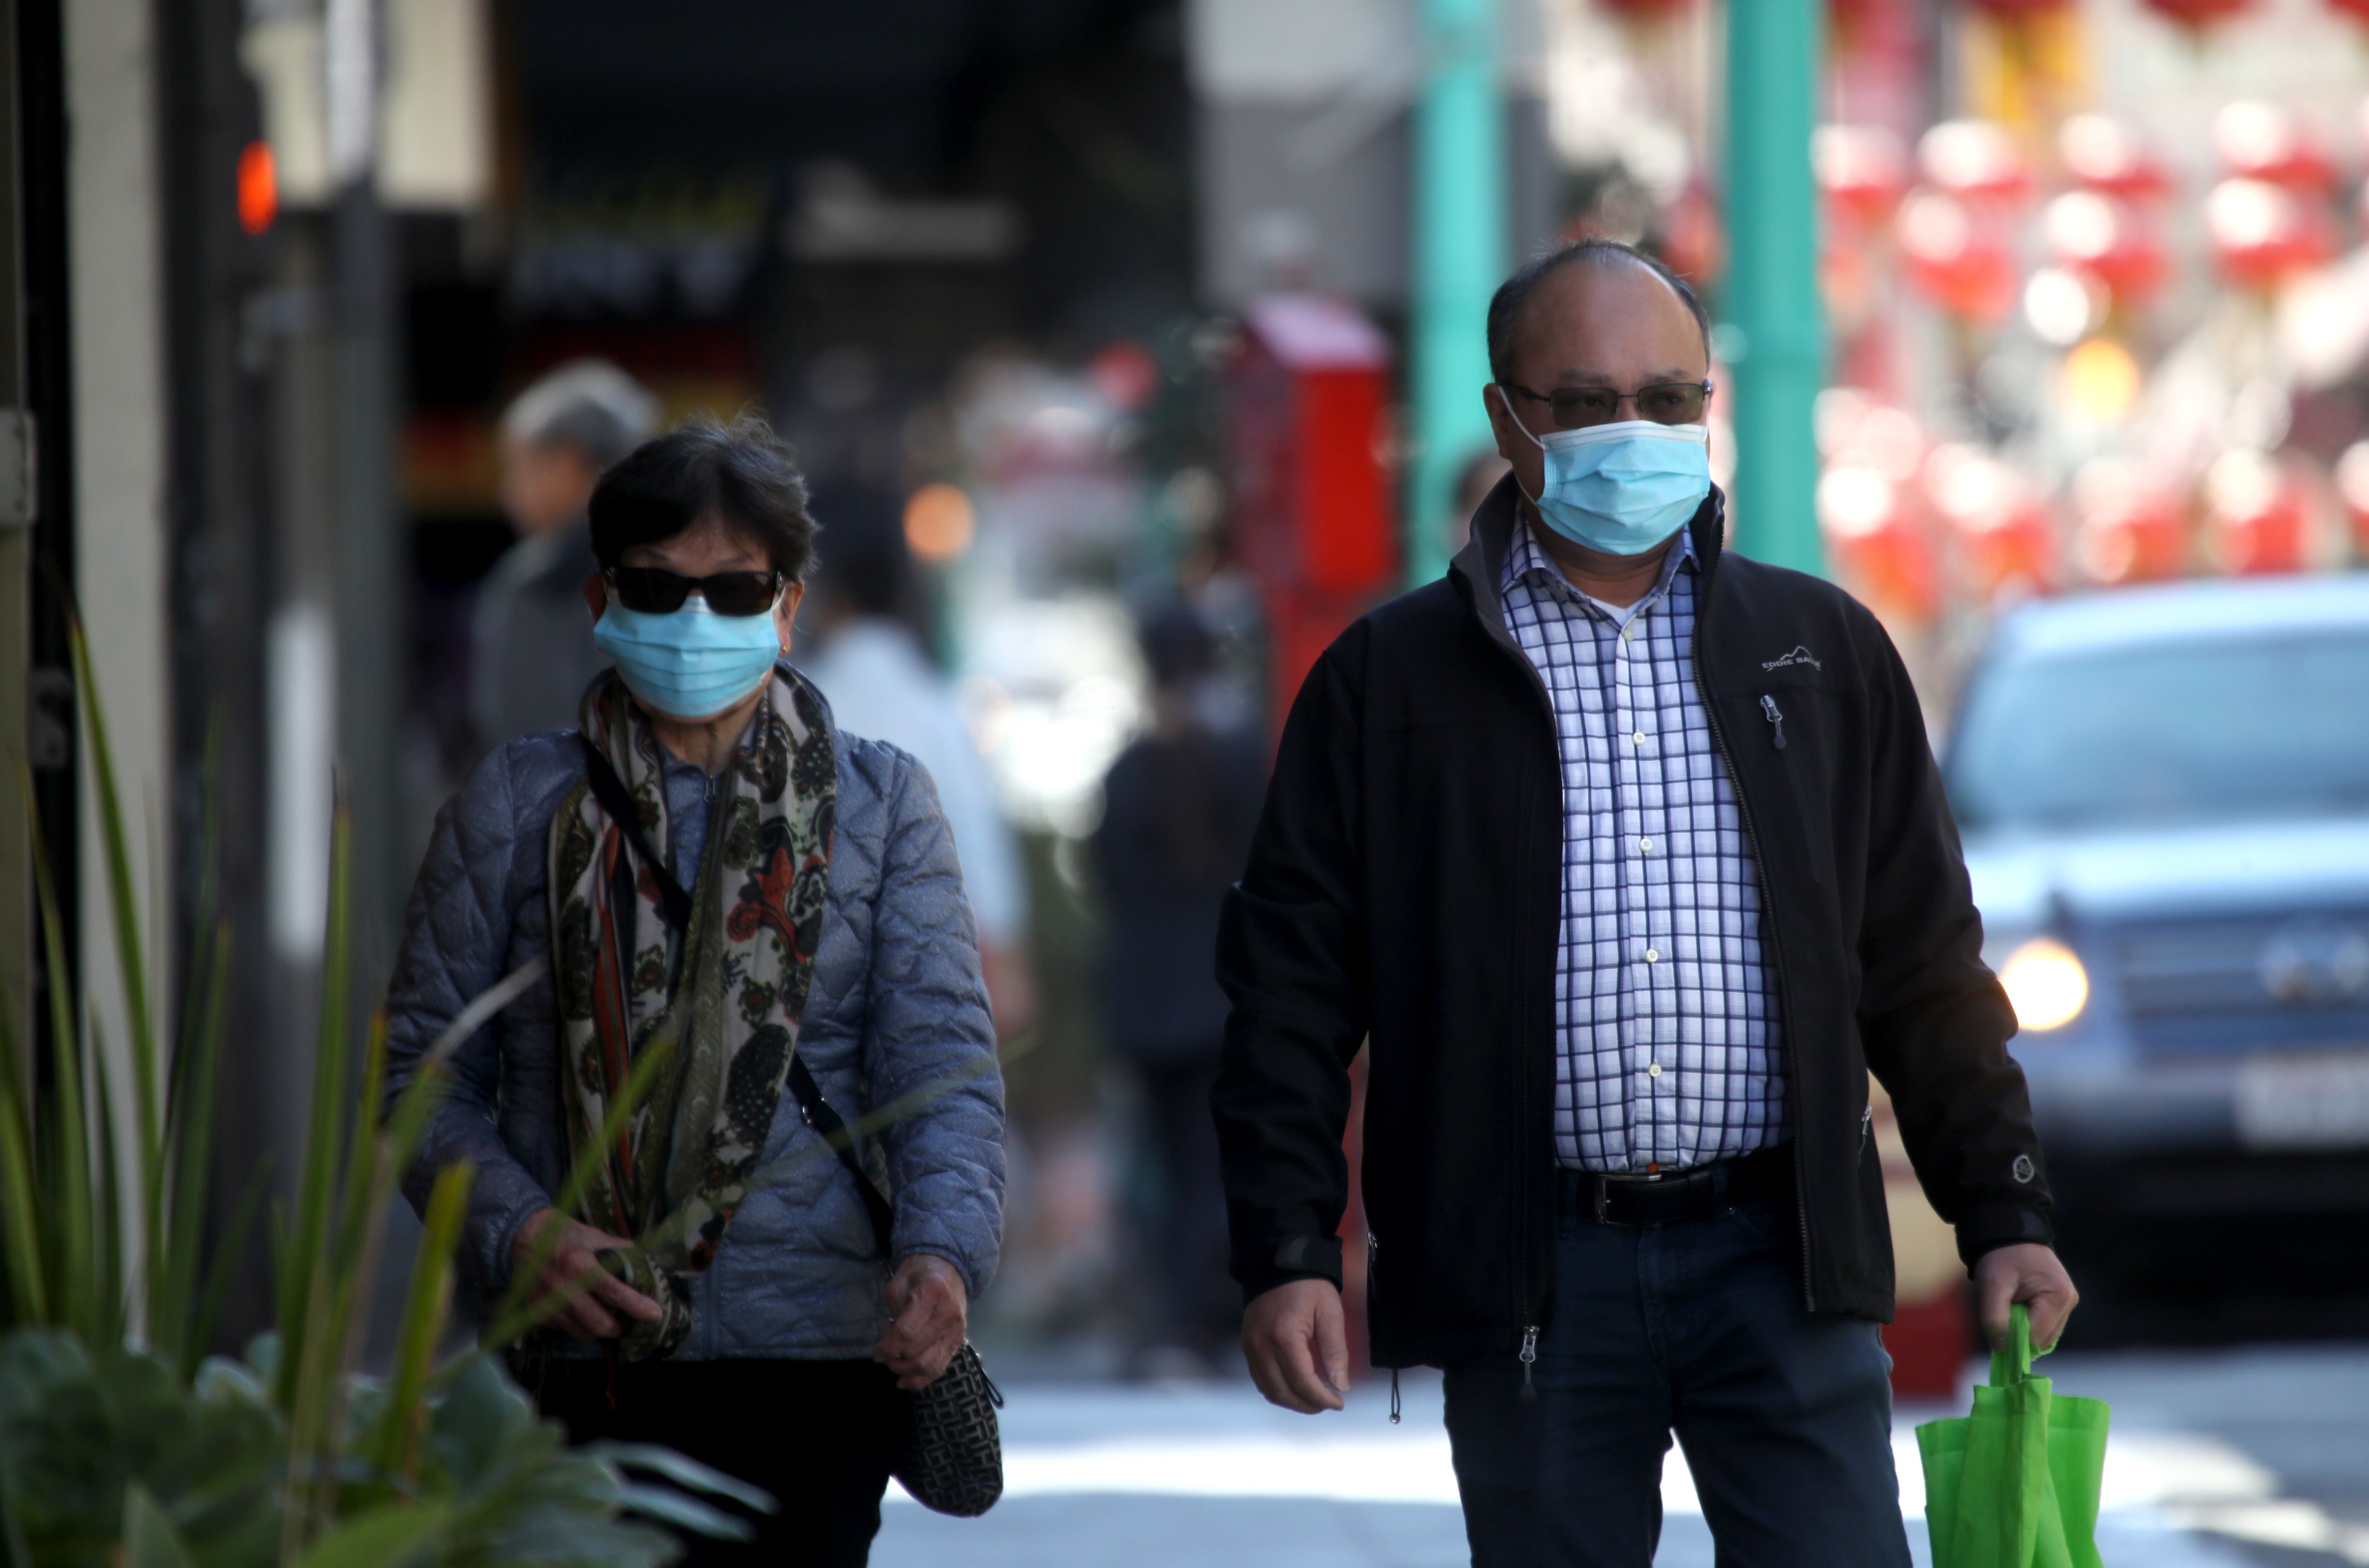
[2275, 725]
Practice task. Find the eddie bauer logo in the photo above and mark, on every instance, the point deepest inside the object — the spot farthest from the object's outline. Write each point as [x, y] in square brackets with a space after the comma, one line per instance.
[1798, 656]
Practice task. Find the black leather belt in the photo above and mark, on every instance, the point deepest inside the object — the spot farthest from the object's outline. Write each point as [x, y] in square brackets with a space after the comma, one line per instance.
[1669, 1198]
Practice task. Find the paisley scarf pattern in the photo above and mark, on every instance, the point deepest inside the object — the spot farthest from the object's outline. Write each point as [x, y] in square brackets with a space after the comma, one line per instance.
[726, 995]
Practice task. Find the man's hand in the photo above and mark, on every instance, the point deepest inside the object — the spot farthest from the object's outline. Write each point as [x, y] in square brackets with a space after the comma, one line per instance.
[1288, 1333]
[933, 1313]
[572, 1261]
[2029, 1273]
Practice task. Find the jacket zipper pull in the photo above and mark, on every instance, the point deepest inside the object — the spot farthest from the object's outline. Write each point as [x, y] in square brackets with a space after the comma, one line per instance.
[1394, 1396]
[1776, 718]
[1529, 1359]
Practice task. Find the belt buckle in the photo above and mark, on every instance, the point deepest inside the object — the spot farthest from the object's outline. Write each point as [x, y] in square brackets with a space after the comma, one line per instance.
[1603, 1185]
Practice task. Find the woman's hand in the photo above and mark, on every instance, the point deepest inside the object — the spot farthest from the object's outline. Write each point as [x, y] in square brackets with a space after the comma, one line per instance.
[932, 1314]
[572, 1261]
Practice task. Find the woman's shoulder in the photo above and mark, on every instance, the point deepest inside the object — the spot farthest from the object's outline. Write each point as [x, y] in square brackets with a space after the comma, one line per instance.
[515, 788]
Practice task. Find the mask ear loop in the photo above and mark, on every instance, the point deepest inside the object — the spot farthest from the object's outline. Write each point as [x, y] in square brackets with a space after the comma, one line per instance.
[1504, 398]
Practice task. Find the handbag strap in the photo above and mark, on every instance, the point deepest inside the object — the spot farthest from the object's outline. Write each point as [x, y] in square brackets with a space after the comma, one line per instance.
[610, 791]
[825, 1121]
[675, 905]
[2011, 1362]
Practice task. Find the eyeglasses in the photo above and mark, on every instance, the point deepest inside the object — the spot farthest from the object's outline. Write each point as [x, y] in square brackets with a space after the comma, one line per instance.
[1664, 402]
[656, 592]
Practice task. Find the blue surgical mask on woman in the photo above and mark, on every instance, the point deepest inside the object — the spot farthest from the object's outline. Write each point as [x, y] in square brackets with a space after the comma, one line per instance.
[1621, 488]
[690, 663]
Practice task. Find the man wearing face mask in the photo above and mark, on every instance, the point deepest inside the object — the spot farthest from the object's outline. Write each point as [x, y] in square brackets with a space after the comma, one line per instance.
[705, 863]
[1625, 856]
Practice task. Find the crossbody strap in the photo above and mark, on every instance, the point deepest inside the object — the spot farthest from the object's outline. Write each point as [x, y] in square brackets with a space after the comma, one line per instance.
[825, 1121]
[610, 791]
[675, 905]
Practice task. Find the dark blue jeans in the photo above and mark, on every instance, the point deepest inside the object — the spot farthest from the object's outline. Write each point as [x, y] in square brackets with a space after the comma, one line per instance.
[1697, 1329]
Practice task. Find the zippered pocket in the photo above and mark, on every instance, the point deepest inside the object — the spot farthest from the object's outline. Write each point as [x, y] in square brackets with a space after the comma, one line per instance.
[1776, 717]
[1866, 1127]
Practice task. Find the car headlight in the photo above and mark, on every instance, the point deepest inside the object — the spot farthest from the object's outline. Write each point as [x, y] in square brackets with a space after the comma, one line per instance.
[2045, 982]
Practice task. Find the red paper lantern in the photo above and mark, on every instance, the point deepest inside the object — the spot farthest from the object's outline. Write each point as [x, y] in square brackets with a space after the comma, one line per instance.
[2106, 239]
[2103, 154]
[2198, 14]
[2353, 483]
[1956, 256]
[2266, 142]
[1871, 531]
[2262, 234]
[2003, 533]
[1863, 170]
[2015, 10]
[2131, 529]
[1693, 243]
[2256, 516]
[2356, 9]
[1647, 10]
[1977, 160]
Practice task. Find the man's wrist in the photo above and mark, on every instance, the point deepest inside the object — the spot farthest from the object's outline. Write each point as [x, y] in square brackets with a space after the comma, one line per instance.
[1287, 1259]
[1989, 1226]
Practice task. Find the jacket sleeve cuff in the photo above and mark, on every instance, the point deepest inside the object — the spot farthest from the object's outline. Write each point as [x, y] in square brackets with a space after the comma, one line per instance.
[1294, 1258]
[1986, 1227]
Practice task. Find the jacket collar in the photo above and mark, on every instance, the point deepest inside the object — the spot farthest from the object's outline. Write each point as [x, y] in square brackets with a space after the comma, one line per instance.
[1479, 566]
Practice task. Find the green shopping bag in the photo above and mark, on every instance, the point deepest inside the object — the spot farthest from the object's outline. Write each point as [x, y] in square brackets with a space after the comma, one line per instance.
[2015, 1484]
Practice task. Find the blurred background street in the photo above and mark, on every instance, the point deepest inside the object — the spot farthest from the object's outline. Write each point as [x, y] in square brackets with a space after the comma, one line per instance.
[1133, 348]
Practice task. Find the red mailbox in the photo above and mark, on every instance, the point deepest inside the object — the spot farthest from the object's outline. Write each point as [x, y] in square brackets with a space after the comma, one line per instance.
[1308, 414]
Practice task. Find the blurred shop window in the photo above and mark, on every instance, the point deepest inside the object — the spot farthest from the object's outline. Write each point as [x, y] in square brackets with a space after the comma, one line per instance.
[1178, 809]
[531, 650]
[871, 660]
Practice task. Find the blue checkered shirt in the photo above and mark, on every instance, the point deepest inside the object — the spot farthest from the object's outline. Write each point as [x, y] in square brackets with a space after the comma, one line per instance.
[1669, 1054]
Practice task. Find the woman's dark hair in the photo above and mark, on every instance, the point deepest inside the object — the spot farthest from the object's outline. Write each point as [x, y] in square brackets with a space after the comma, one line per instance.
[739, 472]
[1513, 293]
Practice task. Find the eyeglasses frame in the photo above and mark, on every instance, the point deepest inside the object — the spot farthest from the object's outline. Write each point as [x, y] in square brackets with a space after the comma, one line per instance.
[1706, 386]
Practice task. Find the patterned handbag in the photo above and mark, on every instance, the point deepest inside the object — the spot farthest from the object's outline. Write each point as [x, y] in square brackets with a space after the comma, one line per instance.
[953, 1462]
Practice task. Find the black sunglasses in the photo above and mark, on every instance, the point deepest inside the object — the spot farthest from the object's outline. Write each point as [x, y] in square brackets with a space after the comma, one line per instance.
[653, 591]
[1664, 402]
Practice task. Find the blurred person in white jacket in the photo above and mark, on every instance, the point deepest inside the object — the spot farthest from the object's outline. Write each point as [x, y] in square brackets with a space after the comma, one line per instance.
[531, 644]
[870, 661]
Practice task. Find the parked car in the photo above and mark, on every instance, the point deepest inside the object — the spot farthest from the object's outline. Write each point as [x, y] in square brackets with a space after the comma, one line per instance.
[2165, 797]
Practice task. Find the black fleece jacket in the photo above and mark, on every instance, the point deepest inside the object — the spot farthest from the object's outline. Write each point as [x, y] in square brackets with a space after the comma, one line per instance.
[1404, 890]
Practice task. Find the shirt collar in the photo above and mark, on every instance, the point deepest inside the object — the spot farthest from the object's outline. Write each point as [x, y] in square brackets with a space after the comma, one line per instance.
[1526, 562]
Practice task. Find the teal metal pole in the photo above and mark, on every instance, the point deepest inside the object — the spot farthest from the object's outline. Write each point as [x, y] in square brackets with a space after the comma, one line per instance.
[1778, 353]
[1459, 259]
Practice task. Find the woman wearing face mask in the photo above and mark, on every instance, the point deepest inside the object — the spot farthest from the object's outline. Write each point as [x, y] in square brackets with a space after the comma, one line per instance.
[776, 903]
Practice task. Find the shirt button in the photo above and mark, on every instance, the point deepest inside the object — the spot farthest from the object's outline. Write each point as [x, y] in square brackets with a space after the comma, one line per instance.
[1654, 1071]
[1646, 844]
[1628, 632]
[1653, 955]
[1638, 739]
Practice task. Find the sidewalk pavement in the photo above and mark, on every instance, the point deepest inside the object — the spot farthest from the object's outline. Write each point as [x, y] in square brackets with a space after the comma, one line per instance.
[1188, 1475]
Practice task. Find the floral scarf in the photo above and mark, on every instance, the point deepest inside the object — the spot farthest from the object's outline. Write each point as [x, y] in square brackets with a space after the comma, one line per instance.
[729, 992]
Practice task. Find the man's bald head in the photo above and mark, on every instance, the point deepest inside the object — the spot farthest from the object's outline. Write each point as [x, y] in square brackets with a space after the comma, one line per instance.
[1507, 306]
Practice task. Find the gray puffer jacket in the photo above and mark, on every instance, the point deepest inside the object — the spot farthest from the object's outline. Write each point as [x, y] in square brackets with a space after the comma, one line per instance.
[896, 1006]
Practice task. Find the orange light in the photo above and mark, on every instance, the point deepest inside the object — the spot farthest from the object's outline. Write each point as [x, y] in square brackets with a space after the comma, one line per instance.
[938, 522]
[258, 187]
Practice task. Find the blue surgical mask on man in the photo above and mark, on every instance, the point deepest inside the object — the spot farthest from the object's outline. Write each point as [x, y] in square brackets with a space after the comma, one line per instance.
[691, 662]
[1620, 488]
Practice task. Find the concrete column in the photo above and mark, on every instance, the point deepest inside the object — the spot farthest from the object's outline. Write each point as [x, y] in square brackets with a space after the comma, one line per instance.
[113, 230]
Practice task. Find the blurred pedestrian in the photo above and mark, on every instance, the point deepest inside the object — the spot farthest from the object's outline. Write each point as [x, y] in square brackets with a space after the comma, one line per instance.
[1627, 858]
[532, 651]
[871, 661]
[740, 1308]
[1178, 809]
